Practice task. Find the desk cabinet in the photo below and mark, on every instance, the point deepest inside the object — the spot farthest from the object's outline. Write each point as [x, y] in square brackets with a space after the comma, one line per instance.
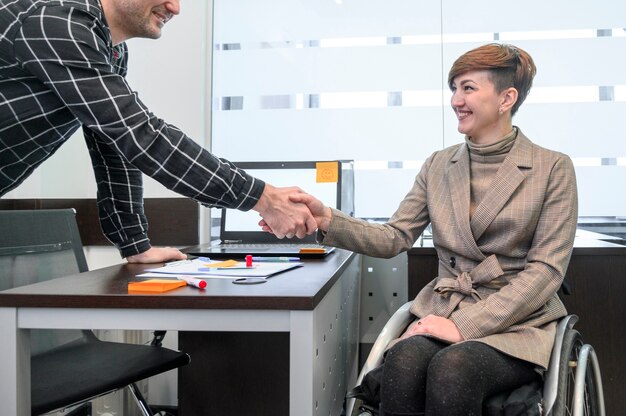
[254, 373]
[598, 279]
[234, 373]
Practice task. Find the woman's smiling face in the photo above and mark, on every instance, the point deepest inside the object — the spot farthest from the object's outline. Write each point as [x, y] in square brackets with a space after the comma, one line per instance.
[477, 106]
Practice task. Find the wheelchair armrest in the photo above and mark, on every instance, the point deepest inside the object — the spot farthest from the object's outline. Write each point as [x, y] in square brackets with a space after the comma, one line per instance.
[394, 327]
[551, 381]
[392, 330]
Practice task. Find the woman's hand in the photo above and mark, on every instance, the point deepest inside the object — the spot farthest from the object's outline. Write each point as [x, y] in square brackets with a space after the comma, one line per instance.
[435, 326]
[322, 214]
[281, 216]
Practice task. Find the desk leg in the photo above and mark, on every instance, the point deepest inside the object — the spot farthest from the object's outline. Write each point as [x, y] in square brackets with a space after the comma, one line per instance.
[323, 360]
[301, 363]
[15, 365]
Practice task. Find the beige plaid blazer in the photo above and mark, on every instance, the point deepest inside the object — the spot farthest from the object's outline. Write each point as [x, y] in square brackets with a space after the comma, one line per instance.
[498, 271]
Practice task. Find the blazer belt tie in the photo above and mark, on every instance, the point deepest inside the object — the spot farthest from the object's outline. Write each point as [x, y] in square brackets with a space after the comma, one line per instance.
[488, 270]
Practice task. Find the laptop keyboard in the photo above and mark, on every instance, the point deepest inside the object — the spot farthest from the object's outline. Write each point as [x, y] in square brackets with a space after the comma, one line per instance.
[273, 245]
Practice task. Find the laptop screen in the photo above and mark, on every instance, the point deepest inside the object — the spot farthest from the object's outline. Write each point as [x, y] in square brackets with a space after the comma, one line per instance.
[239, 226]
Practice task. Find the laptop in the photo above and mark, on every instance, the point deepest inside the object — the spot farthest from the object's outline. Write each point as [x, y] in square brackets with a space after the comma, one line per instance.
[330, 181]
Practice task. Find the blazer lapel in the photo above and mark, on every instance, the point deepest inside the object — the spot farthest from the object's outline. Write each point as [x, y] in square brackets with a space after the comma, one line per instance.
[507, 180]
[458, 183]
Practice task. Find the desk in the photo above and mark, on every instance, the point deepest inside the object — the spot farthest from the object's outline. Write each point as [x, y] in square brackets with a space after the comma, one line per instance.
[316, 305]
[596, 274]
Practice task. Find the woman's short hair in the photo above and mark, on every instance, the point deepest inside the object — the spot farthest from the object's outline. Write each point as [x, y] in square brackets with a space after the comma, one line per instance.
[508, 65]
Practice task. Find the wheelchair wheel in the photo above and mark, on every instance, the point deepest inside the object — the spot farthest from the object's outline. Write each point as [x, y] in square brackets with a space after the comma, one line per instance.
[564, 405]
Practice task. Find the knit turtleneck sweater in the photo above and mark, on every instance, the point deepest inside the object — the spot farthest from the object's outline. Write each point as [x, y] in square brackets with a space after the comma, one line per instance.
[485, 160]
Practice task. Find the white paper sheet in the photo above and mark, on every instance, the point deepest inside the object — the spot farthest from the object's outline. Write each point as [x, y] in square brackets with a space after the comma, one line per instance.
[198, 268]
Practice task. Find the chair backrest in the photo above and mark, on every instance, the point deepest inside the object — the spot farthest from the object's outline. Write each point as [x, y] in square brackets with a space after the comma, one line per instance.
[39, 245]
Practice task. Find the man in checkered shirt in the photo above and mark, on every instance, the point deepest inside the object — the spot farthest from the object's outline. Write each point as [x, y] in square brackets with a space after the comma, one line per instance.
[62, 66]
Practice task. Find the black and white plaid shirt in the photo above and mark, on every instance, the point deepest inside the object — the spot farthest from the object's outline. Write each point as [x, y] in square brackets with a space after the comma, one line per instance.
[58, 71]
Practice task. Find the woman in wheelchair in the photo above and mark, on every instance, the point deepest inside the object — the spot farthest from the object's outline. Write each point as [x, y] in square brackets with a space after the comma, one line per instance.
[503, 212]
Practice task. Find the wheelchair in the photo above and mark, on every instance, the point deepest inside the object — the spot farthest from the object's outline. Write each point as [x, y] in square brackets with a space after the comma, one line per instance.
[572, 383]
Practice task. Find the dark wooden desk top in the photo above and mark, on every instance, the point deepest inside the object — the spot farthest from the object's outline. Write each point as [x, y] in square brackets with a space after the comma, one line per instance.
[298, 289]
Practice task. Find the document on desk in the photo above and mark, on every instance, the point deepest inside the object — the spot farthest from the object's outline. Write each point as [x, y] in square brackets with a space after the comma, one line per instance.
[219, 269]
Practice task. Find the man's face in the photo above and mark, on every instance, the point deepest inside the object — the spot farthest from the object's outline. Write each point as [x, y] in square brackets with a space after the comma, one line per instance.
[145, 18]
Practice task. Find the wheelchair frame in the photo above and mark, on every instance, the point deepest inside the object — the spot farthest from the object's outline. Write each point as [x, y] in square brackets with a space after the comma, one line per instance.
[572, 383]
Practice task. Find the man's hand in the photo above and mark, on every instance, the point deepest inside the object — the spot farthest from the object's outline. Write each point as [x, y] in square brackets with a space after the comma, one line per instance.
[157, 255]
[282, 216]
[436, 326]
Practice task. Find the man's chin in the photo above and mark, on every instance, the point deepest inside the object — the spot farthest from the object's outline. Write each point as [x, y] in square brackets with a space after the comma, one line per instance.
[150, 35]
[148, 31]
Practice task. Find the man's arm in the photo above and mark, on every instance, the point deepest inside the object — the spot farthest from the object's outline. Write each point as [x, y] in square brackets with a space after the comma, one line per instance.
[70, 51]
[120, 206]
[120, 198]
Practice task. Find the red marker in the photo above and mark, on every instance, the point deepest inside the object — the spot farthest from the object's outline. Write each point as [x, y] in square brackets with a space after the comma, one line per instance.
[199, 283]
[249, 260]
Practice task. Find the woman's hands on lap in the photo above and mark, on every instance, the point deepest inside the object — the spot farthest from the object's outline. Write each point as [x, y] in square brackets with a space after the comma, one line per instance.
[435, 326]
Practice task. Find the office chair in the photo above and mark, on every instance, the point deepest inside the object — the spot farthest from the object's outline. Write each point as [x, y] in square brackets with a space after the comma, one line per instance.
[572, 383]
[70, 367]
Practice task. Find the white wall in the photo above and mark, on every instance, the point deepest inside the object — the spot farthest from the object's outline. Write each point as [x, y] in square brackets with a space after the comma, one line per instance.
[367, 80]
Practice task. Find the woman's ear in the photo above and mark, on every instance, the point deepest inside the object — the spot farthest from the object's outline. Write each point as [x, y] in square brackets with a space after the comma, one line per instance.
[508, 99]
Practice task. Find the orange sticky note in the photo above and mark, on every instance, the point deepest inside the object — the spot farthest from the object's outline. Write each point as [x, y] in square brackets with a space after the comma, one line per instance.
[327, 172]
[155, 285]
[312, 250]
[225, 263]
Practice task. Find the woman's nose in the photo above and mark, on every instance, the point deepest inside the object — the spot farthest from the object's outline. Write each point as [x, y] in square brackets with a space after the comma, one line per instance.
[456, 100]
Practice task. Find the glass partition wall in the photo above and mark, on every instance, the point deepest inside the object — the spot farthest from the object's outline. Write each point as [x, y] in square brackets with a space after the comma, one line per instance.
[366, 80]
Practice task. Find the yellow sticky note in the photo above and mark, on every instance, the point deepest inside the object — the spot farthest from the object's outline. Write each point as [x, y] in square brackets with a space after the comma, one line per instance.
[327, 172]
[225, 263]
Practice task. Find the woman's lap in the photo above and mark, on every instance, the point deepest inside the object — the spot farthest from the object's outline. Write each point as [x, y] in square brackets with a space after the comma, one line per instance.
[421, 374]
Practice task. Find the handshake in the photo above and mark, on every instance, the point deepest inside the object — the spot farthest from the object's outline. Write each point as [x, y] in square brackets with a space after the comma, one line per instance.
[285, 212]
[291, 212]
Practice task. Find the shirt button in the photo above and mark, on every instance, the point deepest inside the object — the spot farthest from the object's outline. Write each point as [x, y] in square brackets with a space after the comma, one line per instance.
[452, 262]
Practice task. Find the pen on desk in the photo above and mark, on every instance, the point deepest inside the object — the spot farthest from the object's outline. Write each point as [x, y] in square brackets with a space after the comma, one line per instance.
[275, 259]
[210, 269]
[191, 281]
[176, 262]
[188, 260]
